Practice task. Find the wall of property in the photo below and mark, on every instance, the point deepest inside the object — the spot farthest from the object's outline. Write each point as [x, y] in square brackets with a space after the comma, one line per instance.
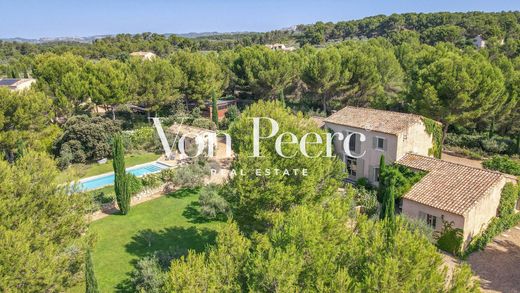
[479, 216]
[415, 140]
[413, 209]
[372, 155]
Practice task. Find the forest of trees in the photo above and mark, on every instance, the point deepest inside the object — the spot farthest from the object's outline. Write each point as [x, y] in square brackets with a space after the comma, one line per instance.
[417, 63]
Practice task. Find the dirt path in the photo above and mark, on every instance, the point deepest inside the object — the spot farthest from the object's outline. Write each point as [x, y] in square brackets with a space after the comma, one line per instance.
[462, 161]
[498, 266]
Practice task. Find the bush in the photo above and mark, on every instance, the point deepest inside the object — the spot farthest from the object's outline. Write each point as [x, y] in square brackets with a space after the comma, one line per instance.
[363, 182]
[507, 219]
[366, 198]
[87, 137]
[503, 164]
[204, 123]
[232, 113]
[152, 180]
[449, 239]
[497, 226]
[66, 157]
[508, 200]
[419, 225]
[405, 178]
[190, 176]
[496, 145]
[134, 184]
[212, 204]
[74, 150]
[147, 276]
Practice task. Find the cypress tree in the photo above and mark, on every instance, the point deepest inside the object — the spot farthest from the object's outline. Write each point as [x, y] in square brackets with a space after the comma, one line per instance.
[120, 180]
[214, 109]
[91, 285]
[381, 189]
[282, 98]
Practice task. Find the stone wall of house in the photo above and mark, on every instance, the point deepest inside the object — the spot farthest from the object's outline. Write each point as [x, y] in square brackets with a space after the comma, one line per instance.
[416, 210]
[372, 155]
[479, 216]
[415, 140]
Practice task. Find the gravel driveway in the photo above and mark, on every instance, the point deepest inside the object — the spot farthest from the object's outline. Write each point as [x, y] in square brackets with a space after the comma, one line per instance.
[498, 266]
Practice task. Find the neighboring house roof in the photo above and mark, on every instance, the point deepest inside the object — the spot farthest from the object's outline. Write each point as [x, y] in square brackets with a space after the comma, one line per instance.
[14, 83]
[374, 120]
[144, 55]
[449, 186]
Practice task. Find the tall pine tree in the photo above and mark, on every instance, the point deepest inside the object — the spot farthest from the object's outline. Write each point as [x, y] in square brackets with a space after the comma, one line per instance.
[121, 180]
[91, 285]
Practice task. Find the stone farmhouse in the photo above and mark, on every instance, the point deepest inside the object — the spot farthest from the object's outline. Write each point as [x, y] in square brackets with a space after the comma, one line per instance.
[464, 195]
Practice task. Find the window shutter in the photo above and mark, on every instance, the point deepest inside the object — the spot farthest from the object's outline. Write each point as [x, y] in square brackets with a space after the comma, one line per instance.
[374, 142]
[385, 143]
[357, 148]
[360, 168]
[371, 173]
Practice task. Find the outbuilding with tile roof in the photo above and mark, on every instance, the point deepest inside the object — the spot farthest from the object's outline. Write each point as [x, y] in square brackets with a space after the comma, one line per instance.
[467, 196]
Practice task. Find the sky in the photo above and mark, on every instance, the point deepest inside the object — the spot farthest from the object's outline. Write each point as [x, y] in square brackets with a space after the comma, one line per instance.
[60, 18]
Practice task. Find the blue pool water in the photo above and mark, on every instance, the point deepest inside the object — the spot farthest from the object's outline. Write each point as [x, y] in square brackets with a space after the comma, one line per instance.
[109, 178]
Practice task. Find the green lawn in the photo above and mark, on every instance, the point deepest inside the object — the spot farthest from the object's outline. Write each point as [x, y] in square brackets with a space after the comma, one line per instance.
[78, 171]
[174, 221]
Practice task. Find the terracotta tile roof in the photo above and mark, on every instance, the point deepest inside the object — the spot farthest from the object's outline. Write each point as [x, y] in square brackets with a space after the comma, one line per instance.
[374, 120]
[449, 186]
[318, 120]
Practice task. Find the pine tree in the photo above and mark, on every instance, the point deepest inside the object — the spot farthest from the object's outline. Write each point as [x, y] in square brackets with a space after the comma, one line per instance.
[91, 285]
[214, 109]
[120, 180]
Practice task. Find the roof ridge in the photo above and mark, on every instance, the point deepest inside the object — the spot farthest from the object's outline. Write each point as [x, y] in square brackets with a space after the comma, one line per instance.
[382, 110]
[453, 163]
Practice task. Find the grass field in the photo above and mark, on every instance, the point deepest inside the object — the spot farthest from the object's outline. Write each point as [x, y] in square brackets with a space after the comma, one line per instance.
[174, 222]
[78, 171]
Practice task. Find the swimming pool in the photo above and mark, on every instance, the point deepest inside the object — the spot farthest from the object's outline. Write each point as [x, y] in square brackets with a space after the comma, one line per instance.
[108, 179]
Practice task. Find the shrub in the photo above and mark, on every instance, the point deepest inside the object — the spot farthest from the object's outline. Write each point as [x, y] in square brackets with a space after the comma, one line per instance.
[363, 182]
[420, 226]
[503, 164]
[494, 146]
[204, 123]
[232, 113]
[405, 178]
[144, 138]
[449, 239]
[66, 157]
[366, 198]
[147, 276]
[212, 204]
[75, 149]
[482, 143]
[508, 200]
[91, 135]
[152, 180]
[507, 219]
[134, 184]
[190, 176]
[497, 226]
